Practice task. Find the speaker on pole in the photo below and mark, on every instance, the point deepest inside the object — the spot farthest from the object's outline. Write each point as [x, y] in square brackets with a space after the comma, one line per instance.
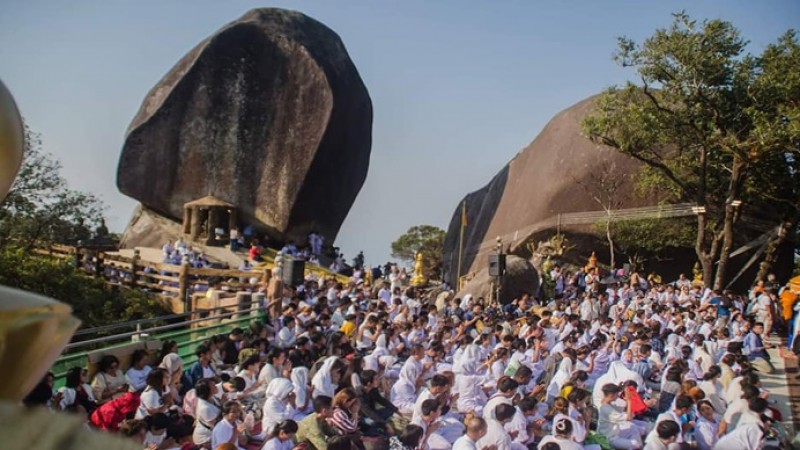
[293, 272]
[497, 264]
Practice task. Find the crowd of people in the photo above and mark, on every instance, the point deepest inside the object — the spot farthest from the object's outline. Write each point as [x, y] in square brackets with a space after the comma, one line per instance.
[631, 364]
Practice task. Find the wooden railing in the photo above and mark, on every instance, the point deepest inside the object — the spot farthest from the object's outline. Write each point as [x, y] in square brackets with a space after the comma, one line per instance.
[175, 282]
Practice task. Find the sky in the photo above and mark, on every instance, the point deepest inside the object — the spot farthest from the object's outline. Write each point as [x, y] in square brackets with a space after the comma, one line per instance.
[458, 87]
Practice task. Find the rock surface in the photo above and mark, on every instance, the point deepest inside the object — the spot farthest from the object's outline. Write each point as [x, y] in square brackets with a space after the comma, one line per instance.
[269, 114]
[520, 278]
[541, 182]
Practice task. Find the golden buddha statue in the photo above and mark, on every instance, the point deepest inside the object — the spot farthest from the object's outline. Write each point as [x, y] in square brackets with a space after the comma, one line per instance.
[592, 264]
[698, 275]
[419, 271]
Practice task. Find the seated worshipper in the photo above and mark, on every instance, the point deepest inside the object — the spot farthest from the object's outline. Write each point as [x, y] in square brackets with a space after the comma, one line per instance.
[327, 378]
[181, 434]
[202, 368]
[314, 429]
[561, 411]
[376, 411]
[302, 390]
[278, 404]
[109, 381]
[666, 434]
[746, 437]
[469, 381]
[345, 416]
[230, 429]
[562, 375]
[206, 413]
[706, 430]
[156, 397]
[506, 390]
[109, 415]
[156, 436]
[276, 366]
[713, 389]
[368, 334]
[617, 374]
[76, 391]
[286, 335]
[739, 410]
[283, 435]
[173, 365]
[562, 435]
[136, 376]
[476, 429]
[428, 420]
[683, 406]
[250, 397]
[616, 423]
[411, 438]
[756, 350]
[496, 435]
[404, 391]
[450, 428]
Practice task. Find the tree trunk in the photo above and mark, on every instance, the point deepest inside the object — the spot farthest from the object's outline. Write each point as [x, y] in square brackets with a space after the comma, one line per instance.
[774, 244]
[610, 243]
[730, 218]
[706, 260]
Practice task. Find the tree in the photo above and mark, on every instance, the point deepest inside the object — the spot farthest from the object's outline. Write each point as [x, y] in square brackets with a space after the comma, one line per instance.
[704, 117]
[603, 186]
[425, 238]
[40, 206]
[644, 239]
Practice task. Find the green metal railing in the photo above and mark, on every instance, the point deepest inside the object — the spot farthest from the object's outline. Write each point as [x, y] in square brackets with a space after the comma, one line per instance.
[186, 337]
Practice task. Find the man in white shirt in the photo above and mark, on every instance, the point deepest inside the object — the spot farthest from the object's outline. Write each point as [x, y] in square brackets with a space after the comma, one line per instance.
[744, 437]
[496, 435]
[230, 429]
[476, 429]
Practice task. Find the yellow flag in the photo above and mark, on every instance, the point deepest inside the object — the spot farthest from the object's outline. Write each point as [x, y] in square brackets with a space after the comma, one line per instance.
[464, 214]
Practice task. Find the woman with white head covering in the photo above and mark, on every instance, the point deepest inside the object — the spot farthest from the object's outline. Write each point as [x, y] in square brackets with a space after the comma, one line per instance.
[617, 374]
[302, 400]
[173, 365]
[404, 392]
[279, 404]
[561, 376]
[326, 379]
[468, 386]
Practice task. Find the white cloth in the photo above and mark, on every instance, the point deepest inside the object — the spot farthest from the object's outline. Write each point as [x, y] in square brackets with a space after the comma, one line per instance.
[222, 433]
[492, 404]
[277, 444]
[300, 382]
[705, 433]
[206, 413]
[150, 399]
[745, 437]
[495, 435]
[617, 373]
[276, 407]
[267, 373]
[322, 381]
[465, 443]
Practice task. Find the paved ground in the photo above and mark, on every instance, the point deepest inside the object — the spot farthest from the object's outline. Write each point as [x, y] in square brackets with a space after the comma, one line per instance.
[784, 388]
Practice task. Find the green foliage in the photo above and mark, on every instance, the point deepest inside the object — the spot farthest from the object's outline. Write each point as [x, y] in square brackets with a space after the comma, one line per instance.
[421, 238]
[40, 206]
[92, 302]
[710, 123]
[644, 239]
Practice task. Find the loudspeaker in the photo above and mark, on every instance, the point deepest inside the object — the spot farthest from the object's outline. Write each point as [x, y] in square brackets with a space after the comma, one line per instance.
[293, 272]
[497, 265]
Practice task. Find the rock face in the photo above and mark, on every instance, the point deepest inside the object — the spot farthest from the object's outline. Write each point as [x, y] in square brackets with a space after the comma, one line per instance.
[520, 278]
[542, 181]
[269, 114]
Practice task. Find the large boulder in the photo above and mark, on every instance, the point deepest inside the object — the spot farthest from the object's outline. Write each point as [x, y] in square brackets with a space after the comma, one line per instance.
[269, 114]
[527, 195]
[519, 278]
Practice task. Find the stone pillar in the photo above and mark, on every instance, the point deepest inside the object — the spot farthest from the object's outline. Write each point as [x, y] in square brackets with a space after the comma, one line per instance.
[134, 262]
[233, 221]
[198, 217]
[183, 285]
[214, 221]
[187, 220]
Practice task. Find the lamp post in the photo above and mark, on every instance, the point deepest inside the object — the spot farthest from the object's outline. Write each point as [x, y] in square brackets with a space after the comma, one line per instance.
[501, 269]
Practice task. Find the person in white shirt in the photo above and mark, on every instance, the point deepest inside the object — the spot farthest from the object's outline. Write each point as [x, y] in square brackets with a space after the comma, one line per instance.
[286, 336]
[615, 423]
[207, 413]
[476, 429]
[667, 433]
[137, 373]
[706, 430]
[496, 435]
[745, 437]
[562, 432]
[282, 436]
[230, 429]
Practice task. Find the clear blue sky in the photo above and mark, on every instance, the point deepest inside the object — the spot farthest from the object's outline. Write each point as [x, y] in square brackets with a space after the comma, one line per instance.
[458, 87]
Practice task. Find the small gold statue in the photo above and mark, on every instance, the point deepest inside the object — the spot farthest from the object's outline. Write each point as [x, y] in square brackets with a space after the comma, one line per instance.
[419, 271]
[698, 275]
[592, 262]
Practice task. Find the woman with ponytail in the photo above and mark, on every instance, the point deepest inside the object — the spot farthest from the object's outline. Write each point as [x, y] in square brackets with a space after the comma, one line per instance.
[282, 435]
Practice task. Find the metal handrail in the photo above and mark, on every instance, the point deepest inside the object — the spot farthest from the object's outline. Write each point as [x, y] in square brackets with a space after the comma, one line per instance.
[154, 329]
[153, 319]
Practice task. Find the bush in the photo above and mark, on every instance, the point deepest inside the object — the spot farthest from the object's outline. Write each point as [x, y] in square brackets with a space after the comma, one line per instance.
[94, 303]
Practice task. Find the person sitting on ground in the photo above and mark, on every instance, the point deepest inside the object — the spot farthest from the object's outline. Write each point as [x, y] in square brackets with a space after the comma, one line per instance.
[76, 391]
[496, 435]
[155, 397]
[230, 429]
[314, 429]
[109, 381]
[667, 433]
[207, 411]
[562, 435]
[109, 415]
[283, 435]
[476, 429]
[136, 376]
[156, 435]
[615, 422]
[411, 438]
[202, 368]
[346, 409]
[376, 410]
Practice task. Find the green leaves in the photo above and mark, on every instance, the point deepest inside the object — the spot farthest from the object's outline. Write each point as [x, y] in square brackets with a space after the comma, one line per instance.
[425, 238]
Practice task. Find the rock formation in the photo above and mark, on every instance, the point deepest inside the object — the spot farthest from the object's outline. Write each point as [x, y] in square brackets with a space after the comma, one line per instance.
[542, 181]
[269, 114]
